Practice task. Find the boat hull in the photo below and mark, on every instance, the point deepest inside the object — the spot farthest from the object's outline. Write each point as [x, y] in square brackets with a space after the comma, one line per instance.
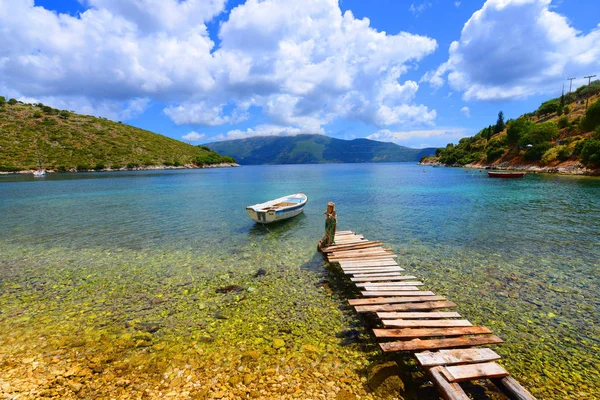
[495, 174]
[265, 213]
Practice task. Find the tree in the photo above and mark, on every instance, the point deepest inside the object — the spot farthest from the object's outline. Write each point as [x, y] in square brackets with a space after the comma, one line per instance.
[549, 107]
[12, 102]
[592, 117]
[2, 100]
[590, 154]
[539, 134]
[517, 129]
[499, 123]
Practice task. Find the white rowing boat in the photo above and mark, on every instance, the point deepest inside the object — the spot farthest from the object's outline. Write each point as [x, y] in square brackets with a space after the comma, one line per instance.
[278, 209]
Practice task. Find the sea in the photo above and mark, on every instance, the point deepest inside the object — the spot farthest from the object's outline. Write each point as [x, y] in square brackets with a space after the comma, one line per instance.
[156, 283]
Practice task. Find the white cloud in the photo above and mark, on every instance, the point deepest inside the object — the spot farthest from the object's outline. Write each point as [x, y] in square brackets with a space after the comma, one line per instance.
[448, 134]
[303, 64]
[514, 49]
[419, 8]
[262, 130]
[193, 137]
[465, 110]
[457, 4]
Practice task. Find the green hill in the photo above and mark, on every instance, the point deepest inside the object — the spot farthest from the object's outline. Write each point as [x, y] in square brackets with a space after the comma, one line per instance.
[313, 149]
[68, 141]
[561, 135]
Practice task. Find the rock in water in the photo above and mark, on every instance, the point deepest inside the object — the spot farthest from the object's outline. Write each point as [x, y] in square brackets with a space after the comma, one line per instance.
[230, 288]
[260, 272]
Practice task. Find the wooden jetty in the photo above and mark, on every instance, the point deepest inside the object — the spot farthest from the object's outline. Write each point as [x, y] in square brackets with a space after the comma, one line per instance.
[414, 320]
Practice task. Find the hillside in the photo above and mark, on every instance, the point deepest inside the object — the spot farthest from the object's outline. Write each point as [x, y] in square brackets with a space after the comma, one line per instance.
[313, 149]
[67, 141]
[560, 136]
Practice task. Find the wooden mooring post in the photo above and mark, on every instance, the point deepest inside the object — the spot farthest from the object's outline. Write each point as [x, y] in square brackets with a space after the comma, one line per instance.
[413, 320]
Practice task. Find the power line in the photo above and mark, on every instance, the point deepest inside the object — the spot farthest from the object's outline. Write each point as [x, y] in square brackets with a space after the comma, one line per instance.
[570, 83]
[588, 89]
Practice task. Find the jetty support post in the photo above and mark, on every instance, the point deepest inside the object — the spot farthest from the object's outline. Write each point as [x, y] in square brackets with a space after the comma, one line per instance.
[330, 227]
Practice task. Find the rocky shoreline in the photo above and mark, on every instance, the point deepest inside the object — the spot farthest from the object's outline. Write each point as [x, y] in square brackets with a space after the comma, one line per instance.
[146, 168]
[566, 168]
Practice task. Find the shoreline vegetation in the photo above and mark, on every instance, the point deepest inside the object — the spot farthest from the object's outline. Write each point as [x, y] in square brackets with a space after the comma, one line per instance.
[142, 168]
[562, 136]
[66, 141]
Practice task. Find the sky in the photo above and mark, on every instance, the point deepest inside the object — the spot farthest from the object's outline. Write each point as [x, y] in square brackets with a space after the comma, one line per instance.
[420, 73]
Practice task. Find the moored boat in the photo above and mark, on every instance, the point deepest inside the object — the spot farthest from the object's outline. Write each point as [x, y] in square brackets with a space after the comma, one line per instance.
[40, 173]
[278, 209]
[505, 174]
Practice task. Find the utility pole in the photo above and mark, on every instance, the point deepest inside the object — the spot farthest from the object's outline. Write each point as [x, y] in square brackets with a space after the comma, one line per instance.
[588, 89]
[570, 83]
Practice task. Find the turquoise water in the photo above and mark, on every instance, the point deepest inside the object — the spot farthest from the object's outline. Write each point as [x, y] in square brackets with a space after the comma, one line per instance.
[520, 256]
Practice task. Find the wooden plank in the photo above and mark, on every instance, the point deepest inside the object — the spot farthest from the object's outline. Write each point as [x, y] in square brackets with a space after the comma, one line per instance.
[364, 250]
[368, 265]
[369, 268]
[426, 323]
[461, 373]
[372, 279]
[397, 292]
[364, 245]
[431, 332]
[339, 233]
[461, 356]
[365, 257]
[428, 305]
[389, 287]
[407, 297]
[374, 274]
[358, 252]
[450, 391]
[377, 263]
[418, 315]
[355, 271]
[429, 344]
[362, 257]
[512, 388]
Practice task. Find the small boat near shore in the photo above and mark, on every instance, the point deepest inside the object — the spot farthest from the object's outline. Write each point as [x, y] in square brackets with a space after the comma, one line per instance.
[40, 173]
[505, 174]
[278, 209]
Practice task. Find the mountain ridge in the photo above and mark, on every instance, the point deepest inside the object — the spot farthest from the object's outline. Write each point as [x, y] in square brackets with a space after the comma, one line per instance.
[314, 149]
[67, 141]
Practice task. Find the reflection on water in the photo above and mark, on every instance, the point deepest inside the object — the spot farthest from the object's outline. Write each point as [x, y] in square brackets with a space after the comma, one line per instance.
[117, 274]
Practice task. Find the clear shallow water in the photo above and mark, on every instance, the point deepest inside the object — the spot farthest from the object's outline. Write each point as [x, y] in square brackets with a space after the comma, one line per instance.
[100, 255]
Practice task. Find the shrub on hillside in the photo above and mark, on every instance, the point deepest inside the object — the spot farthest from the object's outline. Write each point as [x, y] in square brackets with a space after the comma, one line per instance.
[536, 152]
[493, 153]
[540, 133]
[550, 155]
[2, 101]
[578, 147]
[549, 107]
[563, 153]
[517, 129]
[592, 118]
[563, 122]
[590, 154]
[12, 102]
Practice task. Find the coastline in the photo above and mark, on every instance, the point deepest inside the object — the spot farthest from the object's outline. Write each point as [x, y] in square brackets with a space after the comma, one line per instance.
[566, 168]
[146, 168]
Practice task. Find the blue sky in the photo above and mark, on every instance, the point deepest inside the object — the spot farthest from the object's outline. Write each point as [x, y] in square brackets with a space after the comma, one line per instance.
[417, 73]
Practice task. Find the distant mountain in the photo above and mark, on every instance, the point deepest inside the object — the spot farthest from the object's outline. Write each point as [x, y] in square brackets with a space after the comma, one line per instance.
[314, 149]
[68, 141]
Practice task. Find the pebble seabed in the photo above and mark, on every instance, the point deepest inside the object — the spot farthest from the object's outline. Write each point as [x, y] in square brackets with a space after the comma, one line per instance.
[254, 322]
